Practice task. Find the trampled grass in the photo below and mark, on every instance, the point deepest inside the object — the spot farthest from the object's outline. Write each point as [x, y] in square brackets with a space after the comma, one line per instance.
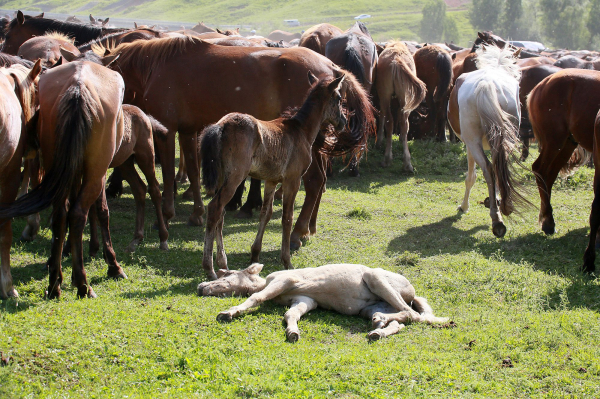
[526, 318]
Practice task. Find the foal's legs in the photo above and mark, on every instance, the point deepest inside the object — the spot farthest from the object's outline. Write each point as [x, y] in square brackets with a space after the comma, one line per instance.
[138, 189]
[114, 269]
[166, 152]
[290, 189]
[300, 306]
[403, 120]
[253, 201]
[59, 230]
[469, 181]
[265, 215]
[380, 328]
[386, 130]
[190, 148]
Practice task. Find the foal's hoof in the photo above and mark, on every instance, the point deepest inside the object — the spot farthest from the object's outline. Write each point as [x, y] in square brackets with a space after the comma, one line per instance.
[548, 228]
[116, 273]
[499, 229]
[295, 245]
[486, 202]
[293, 336]
[224, 317]
[86, 292]
[409, 168]
[460, 209]
[164, 246]
[374, 336]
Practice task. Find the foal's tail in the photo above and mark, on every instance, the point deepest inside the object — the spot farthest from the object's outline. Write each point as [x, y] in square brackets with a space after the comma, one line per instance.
[76, 114]
[407, 84]
[420, 305]
[210, 149]
[502, 132]
[158, 129]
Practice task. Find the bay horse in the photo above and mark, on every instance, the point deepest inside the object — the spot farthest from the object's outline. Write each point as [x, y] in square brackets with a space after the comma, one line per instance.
[397, 77]
[434, 68]
[254, 80]
[17, 107]
[563, 111]
[79, 123]
[484, 112]
[277, 151]
[46, 48]
[24, 27]
[317, 37]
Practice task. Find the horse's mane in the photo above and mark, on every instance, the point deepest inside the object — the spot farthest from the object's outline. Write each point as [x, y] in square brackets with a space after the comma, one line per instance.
[25, 87]
[496, 58]
[109, 41]
[6, 60]
[59, 36]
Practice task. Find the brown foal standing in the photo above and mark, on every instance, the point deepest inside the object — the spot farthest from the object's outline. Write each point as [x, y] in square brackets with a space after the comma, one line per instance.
[280, 152]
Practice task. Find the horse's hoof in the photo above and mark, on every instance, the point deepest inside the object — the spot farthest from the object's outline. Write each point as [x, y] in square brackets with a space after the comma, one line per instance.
[242, 214]
[548, 228]
[188, 195]
[409, 169]
[374, 336]
[293, 336]
[91, 294]
[11, 293]
[295, 245]
[85, 292]
[460, 209]
[225, 317]
[26, 237]
[52, 293]
[354, 172]
[486, 202]
[499, 229]
[211, 276]
[130, 248]
[164, 246]
[195, 221]
[384, 164]
[116, 273]
[588, 267]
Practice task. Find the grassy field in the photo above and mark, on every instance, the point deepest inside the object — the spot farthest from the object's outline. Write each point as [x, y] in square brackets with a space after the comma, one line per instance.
[395, 19]
[526, 319]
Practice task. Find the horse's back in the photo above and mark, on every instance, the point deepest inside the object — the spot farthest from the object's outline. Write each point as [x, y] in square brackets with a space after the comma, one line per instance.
[10, 121]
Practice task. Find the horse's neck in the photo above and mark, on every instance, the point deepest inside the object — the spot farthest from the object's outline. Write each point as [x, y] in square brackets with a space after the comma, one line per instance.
[310, 120]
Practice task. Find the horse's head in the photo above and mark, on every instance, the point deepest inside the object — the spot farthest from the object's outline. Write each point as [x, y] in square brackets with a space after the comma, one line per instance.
[17, 32]
[334, 109]
[234, 282]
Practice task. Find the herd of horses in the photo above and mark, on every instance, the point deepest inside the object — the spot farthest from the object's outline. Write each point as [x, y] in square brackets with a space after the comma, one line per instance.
[91, 97]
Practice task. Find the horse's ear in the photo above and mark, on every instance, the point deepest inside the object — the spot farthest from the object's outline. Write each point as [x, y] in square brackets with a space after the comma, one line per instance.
[517, 53]
[238, 30]
[20, 17]
[135, 24]
[40, 16]
[312, 79]
[36, 70]
[453, 56]
[379, 48]
[58, 63]
[481, 35]
[105, 21]
[107, 61]
[336, 84]
[254, 268]
[220, 31]
[68, 55]
[152, 26]
[92, 19]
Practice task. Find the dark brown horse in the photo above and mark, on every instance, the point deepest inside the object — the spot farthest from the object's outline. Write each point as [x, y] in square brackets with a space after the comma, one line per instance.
[434, 68]
[317, 37]
[254, 80]
[278, 151]
[17, 106]
[396, 77]
[80, 121]
[24, 27]
[563, 111]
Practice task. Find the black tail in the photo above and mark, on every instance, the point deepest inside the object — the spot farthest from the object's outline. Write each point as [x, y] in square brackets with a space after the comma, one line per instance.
[72, 132]
[158, 129]
[444, 68]
[210, 149]
[353, 63]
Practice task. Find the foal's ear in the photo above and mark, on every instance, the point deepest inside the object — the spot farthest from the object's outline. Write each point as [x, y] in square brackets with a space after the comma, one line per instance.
[35, 71]
[254, 268]
[20, 17]
[67, 55]
[336, 84]
[312, 79]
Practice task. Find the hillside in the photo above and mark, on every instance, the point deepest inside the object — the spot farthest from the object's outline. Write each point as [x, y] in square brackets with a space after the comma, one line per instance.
[398, 19]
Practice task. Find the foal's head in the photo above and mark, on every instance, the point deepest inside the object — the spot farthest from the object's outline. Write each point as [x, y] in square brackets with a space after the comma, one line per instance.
[331, 90]
[234, 282]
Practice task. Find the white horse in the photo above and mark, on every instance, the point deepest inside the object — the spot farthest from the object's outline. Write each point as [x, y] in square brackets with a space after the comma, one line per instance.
[484, 112]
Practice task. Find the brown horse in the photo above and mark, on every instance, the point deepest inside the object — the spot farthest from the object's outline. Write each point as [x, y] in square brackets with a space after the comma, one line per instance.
[317, 37]
[24, 27]
[201, 28]
[80, 121]
[17, 88]
[278, 35]
[278, 151]
[254, 80]
[434, 68]
[563, 111]
[396, 77]
[46, 48]
[114, 39]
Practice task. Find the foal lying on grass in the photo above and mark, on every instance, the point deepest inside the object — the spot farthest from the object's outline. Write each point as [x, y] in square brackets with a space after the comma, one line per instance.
[387, 298]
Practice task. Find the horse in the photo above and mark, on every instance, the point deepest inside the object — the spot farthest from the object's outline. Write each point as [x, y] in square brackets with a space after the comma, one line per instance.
[528, 62]
[484, 112]
[277, 151]
[563, 112]
[387, 299]
[114, 39]
[254, 80]
[79, 123]
[201, 28]
[396, 77]
[18, 94]
[570, 61]
[46, 48]
[98, 21]
[278, 35]
[434, 68]
[317, 37]
[24, 27]
[7, 60]
[530, 77]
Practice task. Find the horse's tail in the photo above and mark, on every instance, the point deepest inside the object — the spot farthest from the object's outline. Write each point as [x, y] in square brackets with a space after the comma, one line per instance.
[501, 129]
[444, 69]
[353, 63]
[158, 129]
[407, 83]
[76, 114]
[580, 156]
[361, 123]
[420, 305]
[210, 149]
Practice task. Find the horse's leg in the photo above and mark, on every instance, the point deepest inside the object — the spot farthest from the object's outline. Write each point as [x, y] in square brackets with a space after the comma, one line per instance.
[33, 179]
[290, 189]
[138, 189]
[115, 184]
[546, 168]
[145, 160]
[114, 269]
[189, 145]
[386, 126]
[9, 187]
[314, 181]
[524, 133]
[94, 243]
[300, 306]
[166, 152]
[589, 257]
[182, 175]
[469, 181]
[236, 200]
[380, 328]
[59, 230]
[431, 116]
[265, 215]
[403, 119]
[441, 116]
[253, 201]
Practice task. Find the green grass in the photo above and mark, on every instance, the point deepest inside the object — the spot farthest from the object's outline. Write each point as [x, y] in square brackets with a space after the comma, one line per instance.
[391, 19]
[521, 297]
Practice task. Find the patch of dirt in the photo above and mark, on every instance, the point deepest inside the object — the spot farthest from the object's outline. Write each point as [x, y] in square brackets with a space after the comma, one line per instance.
[450, 324]
[507, 363]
